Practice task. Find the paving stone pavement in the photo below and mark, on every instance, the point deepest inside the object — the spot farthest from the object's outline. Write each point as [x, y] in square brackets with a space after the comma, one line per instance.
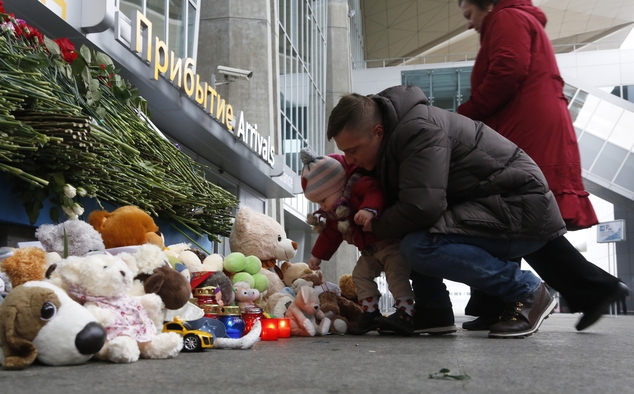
[557, 359]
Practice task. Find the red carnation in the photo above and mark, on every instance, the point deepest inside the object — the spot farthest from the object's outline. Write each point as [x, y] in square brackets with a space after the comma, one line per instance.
[67, 48]
[2, 7]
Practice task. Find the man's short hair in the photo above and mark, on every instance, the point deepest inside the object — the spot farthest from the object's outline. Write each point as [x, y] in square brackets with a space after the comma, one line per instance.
[353, 111]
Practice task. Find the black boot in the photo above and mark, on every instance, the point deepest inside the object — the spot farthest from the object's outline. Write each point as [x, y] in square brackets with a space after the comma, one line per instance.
[482, 323]
[577, 280]
[434, 320]
[592, 315]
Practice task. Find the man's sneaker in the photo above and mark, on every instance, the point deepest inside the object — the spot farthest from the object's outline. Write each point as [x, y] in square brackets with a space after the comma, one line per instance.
[430, 320]
[591, 316]
[369, 322]
[523, 318]
[399, 323]
[481, 323]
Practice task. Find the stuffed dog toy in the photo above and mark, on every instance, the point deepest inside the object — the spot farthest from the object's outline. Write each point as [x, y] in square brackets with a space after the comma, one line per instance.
[40, 321]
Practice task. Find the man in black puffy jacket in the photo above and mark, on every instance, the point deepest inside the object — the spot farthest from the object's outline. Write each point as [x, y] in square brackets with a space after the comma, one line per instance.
[463, 199]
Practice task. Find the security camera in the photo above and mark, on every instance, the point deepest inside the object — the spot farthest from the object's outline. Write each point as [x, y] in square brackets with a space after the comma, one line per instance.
[230, 72]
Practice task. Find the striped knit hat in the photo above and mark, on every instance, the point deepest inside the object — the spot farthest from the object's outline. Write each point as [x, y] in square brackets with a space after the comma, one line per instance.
[322, 176]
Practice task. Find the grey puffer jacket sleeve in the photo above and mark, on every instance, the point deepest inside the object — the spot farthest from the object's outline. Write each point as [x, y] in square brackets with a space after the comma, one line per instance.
[445, 173]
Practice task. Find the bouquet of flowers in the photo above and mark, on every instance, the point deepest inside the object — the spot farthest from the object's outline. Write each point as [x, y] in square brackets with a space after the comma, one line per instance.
[71, 128]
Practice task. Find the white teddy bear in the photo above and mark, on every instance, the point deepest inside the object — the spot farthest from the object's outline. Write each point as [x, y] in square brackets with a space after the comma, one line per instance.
[102, 282]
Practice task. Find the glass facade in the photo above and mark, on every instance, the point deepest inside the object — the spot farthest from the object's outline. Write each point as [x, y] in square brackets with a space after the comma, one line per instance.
[302, 80]
[173, 21]
[606, 141]
[445, 88]
[357, 46]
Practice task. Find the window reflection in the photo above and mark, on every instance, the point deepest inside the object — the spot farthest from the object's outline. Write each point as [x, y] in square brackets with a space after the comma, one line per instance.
[302, 63]
[179, 32]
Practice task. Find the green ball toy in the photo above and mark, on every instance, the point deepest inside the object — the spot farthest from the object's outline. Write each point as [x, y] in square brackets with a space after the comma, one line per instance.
[244, 277]
[261, 282]
[235, 262]
[254, 265]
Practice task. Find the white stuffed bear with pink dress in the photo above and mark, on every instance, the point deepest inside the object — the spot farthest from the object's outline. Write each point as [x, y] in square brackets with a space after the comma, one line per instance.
[101, 283]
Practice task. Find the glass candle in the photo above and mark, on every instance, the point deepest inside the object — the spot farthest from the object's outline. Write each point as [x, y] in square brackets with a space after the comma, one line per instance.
[269, 330]
[284, 327]
[250, 316]
[211, 310]
[205, 295]
[232, 319]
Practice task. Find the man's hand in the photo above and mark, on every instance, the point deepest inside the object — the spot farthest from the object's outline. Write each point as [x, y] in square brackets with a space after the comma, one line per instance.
[314, 263]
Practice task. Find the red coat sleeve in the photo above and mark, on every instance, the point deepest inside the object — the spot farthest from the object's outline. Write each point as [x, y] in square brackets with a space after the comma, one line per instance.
[328, 241]
[370, 194]
[507, 43]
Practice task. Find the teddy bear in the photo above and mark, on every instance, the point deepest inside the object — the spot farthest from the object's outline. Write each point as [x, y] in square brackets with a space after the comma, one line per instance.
[344, 314]
[79, 236]
[348, 288]
[40, 321]
[260, 235]
[275, 283]
[304, 313]
[102, 282]
[329, 305]
[292, 271]
[183, 253]
[157, 276]
[126, 226]
[213, 262]
[28, 263]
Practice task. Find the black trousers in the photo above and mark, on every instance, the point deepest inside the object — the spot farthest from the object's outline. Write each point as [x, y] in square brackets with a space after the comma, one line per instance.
[582, 284]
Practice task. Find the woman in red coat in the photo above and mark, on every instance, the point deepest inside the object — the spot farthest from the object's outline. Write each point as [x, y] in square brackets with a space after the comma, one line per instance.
[516, 89]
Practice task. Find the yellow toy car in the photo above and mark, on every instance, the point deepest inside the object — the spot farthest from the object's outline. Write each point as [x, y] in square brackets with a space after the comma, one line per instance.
[193, 340]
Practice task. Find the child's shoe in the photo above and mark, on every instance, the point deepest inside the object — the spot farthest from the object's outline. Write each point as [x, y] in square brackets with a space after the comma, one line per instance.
[399, 323]
[369, 322]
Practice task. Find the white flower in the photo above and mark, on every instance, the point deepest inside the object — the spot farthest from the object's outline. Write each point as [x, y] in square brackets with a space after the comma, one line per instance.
[78, 209]
[69, 213]
[81, 192]
[7, 26]
[69, 191]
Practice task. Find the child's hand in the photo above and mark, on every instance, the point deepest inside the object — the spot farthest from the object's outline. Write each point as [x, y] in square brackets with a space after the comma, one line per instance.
[314, 263]
[363, 217]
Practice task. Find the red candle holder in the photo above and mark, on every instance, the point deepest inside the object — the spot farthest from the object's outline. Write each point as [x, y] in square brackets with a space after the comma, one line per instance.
[250, 316]
[269, 330]
[284, 327]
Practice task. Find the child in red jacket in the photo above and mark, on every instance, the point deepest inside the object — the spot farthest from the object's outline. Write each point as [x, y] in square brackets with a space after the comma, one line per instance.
[348, 200]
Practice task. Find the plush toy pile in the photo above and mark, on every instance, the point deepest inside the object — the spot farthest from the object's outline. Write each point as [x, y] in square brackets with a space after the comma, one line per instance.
[110, 289]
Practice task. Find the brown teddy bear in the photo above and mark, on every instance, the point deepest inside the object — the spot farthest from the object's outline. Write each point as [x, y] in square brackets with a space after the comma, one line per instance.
[330, 307]
[26, 264]
[348, 288]
[293, 271]
[126, 226]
